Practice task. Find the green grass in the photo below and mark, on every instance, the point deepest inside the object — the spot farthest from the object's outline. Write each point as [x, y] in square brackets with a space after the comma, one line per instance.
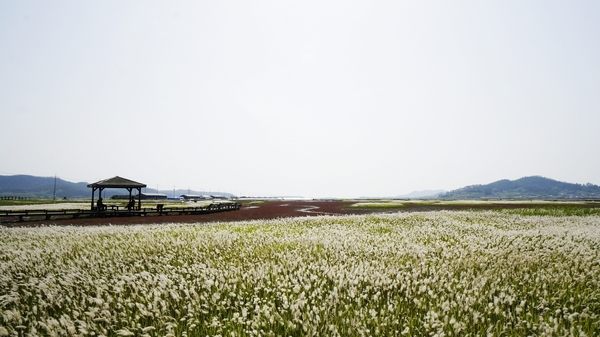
[525, 207]
[377, 204]
[40, 201]
[557, 211]
[254, 202]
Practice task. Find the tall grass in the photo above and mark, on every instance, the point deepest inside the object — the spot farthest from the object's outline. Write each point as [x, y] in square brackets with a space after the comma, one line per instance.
[424, 274]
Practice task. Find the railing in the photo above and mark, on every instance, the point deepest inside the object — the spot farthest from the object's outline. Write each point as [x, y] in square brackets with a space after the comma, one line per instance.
[12, 197]
[212, 208]
[33, 215]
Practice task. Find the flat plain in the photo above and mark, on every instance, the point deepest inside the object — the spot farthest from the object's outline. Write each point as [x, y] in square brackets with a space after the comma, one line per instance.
[500, 272]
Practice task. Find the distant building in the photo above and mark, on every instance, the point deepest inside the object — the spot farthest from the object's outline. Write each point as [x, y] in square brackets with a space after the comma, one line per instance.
[192, 197]
[152, 196]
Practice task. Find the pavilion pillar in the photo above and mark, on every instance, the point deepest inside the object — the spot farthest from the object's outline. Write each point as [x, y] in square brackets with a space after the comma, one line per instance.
[139, 208]
[129, 189]
[93, 192]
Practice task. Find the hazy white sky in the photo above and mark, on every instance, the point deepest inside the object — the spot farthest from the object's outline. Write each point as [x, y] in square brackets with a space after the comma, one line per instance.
[311, 98]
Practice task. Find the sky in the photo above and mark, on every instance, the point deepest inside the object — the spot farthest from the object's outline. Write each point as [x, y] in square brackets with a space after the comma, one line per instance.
[301, 98]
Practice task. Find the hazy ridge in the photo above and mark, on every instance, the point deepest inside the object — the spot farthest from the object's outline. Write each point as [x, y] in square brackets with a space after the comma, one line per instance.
[523, 188]
[43, 187]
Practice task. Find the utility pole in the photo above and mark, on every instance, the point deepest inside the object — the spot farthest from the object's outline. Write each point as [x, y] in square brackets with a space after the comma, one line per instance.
[54, 193]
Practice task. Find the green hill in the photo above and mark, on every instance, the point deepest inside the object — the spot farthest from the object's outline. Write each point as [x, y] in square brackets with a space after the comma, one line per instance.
[526, 188]
[42, 187]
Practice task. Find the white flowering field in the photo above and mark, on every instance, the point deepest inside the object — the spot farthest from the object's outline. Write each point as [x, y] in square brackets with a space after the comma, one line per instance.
[415, 274]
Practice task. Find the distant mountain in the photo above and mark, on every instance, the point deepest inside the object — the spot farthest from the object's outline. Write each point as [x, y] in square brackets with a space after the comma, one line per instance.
[43, 188]
[421, 194]
[525, 188]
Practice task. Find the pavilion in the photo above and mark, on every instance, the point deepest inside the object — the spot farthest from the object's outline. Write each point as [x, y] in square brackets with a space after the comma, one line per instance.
[117, 182]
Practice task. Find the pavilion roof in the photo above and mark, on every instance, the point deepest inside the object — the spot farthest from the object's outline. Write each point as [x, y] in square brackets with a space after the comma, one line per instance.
[116, 182]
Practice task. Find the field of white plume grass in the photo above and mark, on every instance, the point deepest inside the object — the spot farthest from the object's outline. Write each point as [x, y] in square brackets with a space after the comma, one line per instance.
[414, 274]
